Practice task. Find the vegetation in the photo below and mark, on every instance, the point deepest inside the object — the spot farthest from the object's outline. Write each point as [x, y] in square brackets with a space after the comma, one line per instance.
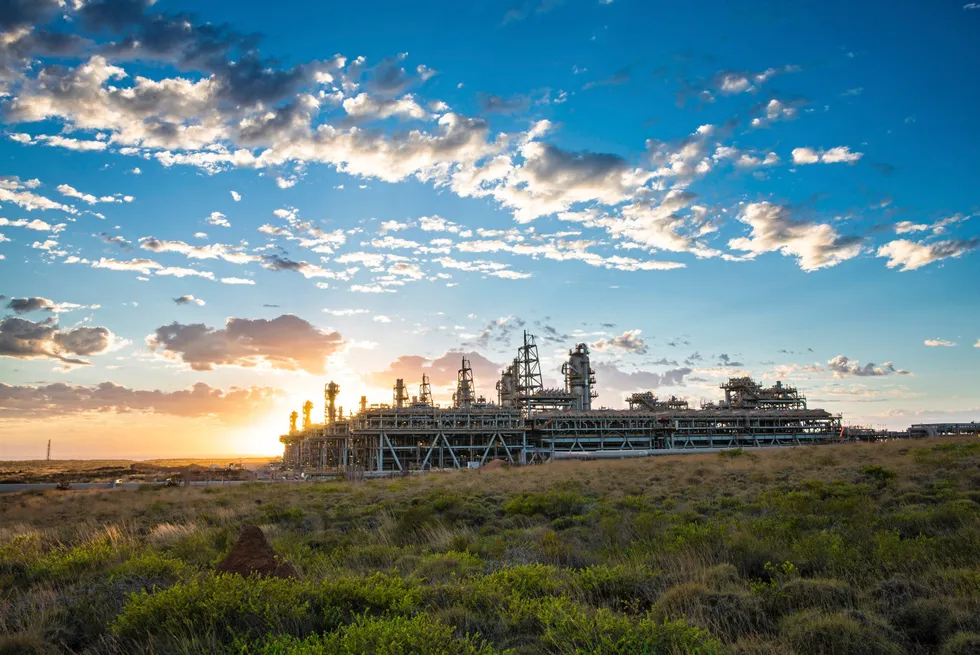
[826, 550]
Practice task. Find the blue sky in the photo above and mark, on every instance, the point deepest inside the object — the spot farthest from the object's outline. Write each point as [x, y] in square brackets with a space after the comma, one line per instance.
[209, 210]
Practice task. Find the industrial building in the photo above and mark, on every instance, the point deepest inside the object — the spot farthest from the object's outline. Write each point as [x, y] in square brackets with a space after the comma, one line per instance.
[530, 423]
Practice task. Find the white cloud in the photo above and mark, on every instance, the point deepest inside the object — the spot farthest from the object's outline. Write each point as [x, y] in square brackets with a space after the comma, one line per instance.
[910, 255]
[840, 154]
[236, 280]
[939, 343]
[236, 196]
[381, 318]
[219, 219]
[815, 245]
[845, 367]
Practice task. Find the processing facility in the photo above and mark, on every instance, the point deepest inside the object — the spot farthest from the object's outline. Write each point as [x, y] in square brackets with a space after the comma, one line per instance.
[530, 423]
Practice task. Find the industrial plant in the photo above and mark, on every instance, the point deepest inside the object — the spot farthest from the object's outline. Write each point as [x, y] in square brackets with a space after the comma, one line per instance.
[530, 423]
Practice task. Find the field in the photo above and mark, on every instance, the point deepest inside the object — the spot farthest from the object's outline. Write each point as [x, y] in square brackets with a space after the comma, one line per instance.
[104, 470]
[829, 550]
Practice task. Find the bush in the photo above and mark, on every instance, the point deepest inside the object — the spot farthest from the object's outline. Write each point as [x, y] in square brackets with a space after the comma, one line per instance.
[223, 605]
[619, 587]
[389, 635]
[839, 633]
[553, 504]
[568, 628]
[879, 474]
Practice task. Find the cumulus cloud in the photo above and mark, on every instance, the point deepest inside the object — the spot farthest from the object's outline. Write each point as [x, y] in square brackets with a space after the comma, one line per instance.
[219, 219]
[845, 367]
[24, 339]
[840, 154]
[911, 255]
[815, 245]
[610, 377]
[939, 343]
[26, 305]
[442, 371]
[629, 341]
[197, 401]
[287, 343]
[189, 300]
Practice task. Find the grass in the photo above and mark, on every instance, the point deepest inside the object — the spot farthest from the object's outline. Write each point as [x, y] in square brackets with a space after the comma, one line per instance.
[106, 470]
[871, 548]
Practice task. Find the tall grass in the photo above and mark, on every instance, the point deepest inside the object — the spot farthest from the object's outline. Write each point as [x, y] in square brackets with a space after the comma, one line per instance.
[869, 548]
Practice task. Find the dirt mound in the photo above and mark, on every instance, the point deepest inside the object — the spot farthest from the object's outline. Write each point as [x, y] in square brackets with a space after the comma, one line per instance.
[253, 554]
[494, 464]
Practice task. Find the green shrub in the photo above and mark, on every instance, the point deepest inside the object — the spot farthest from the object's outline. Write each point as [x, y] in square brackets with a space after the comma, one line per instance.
[151, 567]
[552, 504]
[634, 587]
[840, 633]
[390, 635]
[569, 628]
[879, 474]
[224, 605]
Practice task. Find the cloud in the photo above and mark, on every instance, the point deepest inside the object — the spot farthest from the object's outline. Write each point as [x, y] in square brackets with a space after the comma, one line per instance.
[939, 343]
[530, 7]
[197, 401]
[844, 367]
[219, 219]
[236, 196]
[840, 154]
[629, 341]
[610, 379]
[287, 343]
[24, 339]
[364, 106]
[910, 255]
[236, 280]
[189, 300]
[144, 266]
[442, 371]
[731, 82]
[622, 76]
[815, 245]
[26, 305]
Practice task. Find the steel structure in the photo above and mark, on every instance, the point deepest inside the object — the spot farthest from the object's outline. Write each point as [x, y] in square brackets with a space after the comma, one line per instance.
[530, 423]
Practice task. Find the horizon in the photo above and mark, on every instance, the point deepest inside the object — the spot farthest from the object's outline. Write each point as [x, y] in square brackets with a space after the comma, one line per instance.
[209, 211]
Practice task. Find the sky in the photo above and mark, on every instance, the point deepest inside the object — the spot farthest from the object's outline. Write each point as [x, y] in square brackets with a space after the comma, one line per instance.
[209, 210]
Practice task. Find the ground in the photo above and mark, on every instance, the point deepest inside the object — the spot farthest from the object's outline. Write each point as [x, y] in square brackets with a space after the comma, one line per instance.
[870, 548]
[106, 470]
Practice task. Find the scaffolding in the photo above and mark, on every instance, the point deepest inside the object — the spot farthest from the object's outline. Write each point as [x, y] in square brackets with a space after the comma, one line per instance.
[531, 423]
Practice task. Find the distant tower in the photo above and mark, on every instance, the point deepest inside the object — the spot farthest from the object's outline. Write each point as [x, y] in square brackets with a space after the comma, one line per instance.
[463, 398]
[292, 421]
[49, 449]
[330, 392]
[307, 408]
[425, 391]
[579, 377]
[529, 380]
[400, 393]
[363, 404]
